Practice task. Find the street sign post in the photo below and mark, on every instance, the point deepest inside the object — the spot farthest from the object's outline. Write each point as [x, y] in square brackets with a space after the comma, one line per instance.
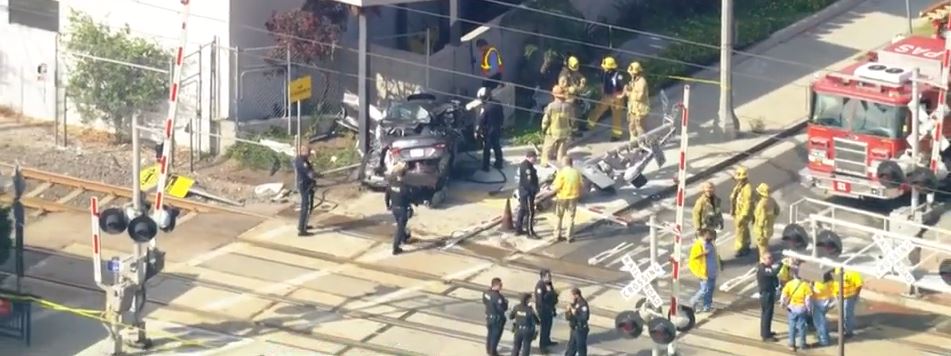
[300, 90]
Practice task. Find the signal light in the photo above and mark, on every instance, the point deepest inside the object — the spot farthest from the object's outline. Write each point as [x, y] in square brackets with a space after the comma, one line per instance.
[142, 229]
[945, 271]
[923, 179]
[629, 324]
[165, 218]
[113, 221]
[828, 244]
[889, 174]
[686, 318]
[794, 237]
[661, 330]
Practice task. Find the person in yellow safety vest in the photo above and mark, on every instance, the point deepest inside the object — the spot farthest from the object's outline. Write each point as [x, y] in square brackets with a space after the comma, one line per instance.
[704, 262]
[822, 298]
[638, 101]
[567, 187]
[741, 200]
[491, 64]
[850, 293]
[612, 97]
[797, 299]
[764, 216]
[706, 211]
[556, 126]
[574, 83]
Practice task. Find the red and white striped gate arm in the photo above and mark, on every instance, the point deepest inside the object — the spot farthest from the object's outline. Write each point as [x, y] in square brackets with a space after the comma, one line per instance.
[96, 240]
[172, 111]
[938, 132]
[681, 192]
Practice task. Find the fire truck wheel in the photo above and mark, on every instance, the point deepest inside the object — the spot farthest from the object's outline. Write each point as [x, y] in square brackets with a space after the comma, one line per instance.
[923, 179]
[889, 173]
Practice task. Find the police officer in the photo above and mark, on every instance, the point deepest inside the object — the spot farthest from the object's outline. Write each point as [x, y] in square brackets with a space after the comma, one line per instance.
[527, 189]
[768, 282]
[489, 127]
[577, 316]
[546, 298]
[523, 326]
[495, 307]
[706, 211]
[398, 198]
[306, 179]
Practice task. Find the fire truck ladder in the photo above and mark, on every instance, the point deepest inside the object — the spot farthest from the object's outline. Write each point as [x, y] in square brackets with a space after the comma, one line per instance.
[887, 247]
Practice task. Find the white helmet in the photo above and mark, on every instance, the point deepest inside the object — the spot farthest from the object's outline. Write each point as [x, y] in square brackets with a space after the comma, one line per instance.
[483, 93]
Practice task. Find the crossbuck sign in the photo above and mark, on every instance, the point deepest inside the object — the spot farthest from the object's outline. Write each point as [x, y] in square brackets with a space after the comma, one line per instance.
[896, 253]
[642, 279]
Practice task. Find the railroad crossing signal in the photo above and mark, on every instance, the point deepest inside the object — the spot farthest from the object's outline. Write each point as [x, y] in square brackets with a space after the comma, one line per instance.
[641, 283]
[662, 331]
[896, 252]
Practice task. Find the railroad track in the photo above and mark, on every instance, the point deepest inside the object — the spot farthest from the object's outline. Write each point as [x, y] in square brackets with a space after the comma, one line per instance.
[48, 192]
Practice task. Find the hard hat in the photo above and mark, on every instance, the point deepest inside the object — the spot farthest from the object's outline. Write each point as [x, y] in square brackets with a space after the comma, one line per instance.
[635, 68]
[708, 185]
[608, 63]
[762, 189]
[558, 92]
[482, 93]
[741, 173]
[571, 90]
[573, 63]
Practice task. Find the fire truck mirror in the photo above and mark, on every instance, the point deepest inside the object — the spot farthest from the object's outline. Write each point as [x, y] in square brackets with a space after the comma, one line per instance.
[828, 244]
[795, 237]
[629, 324]
[923, 179]
[889, 173]
[945, 271]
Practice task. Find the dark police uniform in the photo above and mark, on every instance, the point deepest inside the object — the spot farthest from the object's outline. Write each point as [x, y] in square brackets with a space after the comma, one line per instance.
[527, 189]
[578, 319]
[546, 299]
[397, 199]
[525, 320]
[495, 307]
[305, 186]
[490, 127]
[768, 281]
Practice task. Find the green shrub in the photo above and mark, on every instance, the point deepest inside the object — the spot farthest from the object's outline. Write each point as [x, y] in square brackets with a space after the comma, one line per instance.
[255, 156]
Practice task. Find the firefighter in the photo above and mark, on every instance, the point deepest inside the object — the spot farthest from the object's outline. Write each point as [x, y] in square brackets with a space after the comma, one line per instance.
[567, 187]
[612, 97]
[575, 83]
[491, 65]
[556, 125]
[741, 200]
[524, 320]
[489, 128]
[764, 216]
[638, 105]
[707, 213]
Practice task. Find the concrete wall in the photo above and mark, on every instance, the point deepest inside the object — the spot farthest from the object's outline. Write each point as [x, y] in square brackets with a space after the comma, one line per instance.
[22, 50]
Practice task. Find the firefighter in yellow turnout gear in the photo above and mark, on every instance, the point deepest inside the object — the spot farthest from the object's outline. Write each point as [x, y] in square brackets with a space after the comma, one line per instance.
[574, 84]
[741, 204]
[706, 211]
[556, 126]
[638, 101]
[612, 97]
[764, 217]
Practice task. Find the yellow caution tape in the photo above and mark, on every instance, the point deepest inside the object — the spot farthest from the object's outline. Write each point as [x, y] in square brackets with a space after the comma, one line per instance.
[97, 315]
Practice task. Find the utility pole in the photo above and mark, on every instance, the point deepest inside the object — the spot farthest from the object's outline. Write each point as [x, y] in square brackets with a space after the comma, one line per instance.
[914, 106]
[727, 123]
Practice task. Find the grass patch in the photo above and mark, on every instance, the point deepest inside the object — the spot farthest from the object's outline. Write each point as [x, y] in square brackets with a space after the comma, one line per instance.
[525, 131]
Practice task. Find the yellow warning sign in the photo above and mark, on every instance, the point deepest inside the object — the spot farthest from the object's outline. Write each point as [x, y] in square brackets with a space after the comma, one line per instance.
[300, 89]
[177, 186]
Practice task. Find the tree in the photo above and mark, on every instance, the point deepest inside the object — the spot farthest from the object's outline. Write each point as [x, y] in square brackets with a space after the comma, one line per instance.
[113, 92]
[6, 228]
[310, 32]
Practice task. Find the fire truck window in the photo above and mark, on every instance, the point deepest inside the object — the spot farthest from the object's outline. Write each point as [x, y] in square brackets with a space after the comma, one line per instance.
[876, 119]
[827, 110]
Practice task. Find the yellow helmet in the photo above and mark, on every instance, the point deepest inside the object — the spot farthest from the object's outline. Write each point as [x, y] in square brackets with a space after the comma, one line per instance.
[573, 63]
[762, 189]
[741, 173]
[608, 63]
[635, 68]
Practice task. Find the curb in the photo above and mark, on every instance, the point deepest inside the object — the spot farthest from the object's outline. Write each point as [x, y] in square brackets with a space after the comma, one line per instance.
[810, 22]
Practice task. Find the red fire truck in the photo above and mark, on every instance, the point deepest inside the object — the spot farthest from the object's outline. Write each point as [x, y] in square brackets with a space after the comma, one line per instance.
[860, 122]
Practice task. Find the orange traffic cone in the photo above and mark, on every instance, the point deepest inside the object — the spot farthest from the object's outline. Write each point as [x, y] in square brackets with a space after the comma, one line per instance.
[507, 216]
